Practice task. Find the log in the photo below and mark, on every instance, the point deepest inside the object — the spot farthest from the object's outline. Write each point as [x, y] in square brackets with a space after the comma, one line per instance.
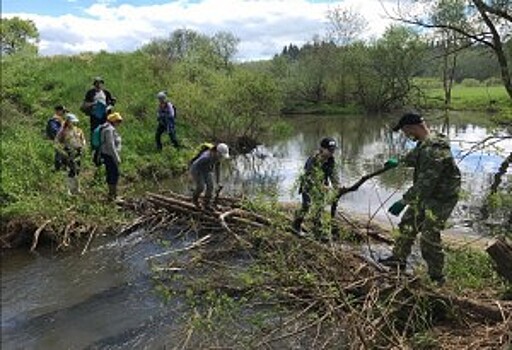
[500, 251]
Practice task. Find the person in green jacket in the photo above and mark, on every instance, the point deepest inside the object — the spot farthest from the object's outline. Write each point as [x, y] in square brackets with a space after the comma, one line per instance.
[431, 198]
[320, 176]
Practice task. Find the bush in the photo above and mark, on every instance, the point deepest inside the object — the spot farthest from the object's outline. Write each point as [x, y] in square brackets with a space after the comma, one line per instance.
[493, 82]
[470, 82]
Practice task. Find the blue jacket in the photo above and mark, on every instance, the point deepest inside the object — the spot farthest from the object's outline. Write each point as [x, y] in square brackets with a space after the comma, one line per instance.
[166, 115]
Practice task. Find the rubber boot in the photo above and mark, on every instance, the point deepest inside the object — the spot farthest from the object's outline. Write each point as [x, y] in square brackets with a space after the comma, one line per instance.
[195, 201]
[71, 186]
[112, 192]
[297, 226]
[207, 204]
[77, 185]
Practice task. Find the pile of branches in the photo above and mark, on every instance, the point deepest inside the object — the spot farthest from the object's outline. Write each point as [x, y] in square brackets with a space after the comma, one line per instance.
[235, 266]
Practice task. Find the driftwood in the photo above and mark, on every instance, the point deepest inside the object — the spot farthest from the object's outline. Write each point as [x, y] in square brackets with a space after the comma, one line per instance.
[500, 251]
[36, 235]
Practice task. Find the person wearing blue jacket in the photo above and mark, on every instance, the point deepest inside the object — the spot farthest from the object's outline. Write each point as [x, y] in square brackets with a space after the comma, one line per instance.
[166, 117]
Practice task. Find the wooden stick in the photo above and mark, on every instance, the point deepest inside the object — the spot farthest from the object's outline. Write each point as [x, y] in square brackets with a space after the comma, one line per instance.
[35, 240]
[89, 240]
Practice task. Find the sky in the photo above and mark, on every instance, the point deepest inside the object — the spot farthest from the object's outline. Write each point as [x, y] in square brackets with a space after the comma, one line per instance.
[264, 27]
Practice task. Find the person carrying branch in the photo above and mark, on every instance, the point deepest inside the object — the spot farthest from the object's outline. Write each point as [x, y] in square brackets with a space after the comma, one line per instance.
[431, 198]
[320, 173]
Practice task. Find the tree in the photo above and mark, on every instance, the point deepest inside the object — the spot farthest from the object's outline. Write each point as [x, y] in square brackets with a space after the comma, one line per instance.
[449, 42]
[345, 25]
[18, 35]
[486, 22]
[225, 45]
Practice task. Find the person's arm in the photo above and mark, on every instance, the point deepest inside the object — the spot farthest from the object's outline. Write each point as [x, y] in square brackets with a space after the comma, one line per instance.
[109, 144]
[334, 176]
[108, 98]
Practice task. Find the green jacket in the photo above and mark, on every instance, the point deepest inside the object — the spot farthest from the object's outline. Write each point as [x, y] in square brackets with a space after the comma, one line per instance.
[436, 176]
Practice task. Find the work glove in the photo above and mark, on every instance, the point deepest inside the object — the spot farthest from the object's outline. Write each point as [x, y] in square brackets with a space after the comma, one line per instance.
[397, 207]
[391, 163]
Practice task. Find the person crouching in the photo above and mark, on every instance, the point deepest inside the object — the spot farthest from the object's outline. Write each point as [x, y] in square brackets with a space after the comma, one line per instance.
[201, 171]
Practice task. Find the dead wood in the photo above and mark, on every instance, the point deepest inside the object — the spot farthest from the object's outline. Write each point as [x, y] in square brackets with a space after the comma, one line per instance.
[36, 235]
[500, 250]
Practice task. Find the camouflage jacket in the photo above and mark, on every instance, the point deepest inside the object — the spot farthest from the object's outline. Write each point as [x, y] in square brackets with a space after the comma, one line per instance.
[318, 172]
[436, 176]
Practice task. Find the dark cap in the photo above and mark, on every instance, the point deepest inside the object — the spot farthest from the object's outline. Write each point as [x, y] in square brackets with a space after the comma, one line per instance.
[98, 80]
[328, 143]
[408, 119]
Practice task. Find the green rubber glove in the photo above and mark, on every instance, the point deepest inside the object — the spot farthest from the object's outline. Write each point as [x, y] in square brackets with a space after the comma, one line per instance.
[391, 163]
[397, 208]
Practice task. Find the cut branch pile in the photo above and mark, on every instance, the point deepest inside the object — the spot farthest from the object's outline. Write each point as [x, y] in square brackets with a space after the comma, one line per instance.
[314, 295]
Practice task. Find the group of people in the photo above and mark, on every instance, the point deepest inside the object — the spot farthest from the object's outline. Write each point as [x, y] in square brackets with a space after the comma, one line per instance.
[429, 201]
[105, 141]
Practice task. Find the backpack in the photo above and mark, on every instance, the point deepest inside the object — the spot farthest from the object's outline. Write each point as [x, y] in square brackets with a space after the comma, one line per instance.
[52, 128]
[96, 137]
[205, 146]
[96, 144]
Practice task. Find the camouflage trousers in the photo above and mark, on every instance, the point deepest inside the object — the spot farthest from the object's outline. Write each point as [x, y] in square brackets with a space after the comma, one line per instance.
[427, 218]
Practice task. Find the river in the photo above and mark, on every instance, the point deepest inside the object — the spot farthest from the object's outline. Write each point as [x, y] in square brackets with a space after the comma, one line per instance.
[105, 299]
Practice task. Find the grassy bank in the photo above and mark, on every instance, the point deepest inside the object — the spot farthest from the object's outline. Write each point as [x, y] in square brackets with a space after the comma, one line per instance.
[473, 98]
[213, 105]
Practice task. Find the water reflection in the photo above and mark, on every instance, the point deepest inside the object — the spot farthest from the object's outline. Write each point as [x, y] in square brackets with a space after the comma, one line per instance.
[366, 143]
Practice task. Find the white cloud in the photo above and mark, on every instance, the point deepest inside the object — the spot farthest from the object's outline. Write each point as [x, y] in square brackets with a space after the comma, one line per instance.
[263, 26]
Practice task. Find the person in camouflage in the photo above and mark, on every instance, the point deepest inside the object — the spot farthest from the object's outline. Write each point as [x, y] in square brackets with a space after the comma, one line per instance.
[430, 200]
[319, 171]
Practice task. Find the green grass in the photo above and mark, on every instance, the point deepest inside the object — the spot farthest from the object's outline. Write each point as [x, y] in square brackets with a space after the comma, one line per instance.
[470, 98]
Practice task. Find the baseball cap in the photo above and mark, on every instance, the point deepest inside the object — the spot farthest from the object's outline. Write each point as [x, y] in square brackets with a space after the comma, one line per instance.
[408, 119]
[72, 118]
[223, 150]
[98, 80]
[328, 143]
[161, 95]
[114, 117]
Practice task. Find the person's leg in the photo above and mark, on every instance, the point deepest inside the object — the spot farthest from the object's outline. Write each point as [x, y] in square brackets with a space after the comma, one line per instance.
[112, 175]
[301, 213]
[71, 164]
[209, 190]
[174, 139]
[158, 136]
[199, 181]
[409, 227]
[436, 215]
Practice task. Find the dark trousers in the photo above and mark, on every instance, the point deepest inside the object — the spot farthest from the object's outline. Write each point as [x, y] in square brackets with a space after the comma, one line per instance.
[112, 169]
[172, 135]
[59, 160]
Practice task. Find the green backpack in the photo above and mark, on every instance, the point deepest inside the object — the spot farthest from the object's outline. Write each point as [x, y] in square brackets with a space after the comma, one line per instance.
[96, 144]
[96, 137]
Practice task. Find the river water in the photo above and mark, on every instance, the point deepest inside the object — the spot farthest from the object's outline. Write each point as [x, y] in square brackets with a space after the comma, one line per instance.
[105, 299]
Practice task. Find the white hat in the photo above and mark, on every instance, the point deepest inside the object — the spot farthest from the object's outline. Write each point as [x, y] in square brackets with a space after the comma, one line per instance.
[223, 149]
[72, 118]
[161, 95]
